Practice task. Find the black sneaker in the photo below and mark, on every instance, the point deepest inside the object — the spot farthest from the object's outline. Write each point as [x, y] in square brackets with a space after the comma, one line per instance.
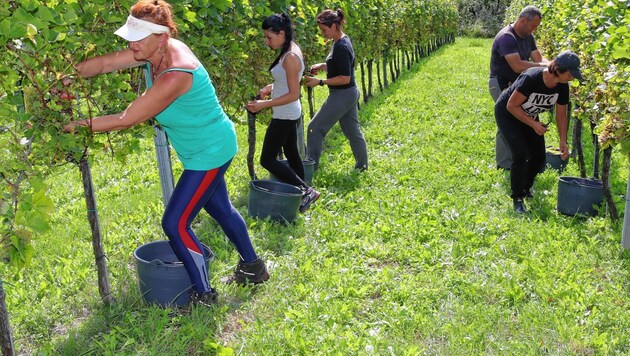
[529, 194]
[310, 196]
[208, 299]
[519, 206]
[254, 272]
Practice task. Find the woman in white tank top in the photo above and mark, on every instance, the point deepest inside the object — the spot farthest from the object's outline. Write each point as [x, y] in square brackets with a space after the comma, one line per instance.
[281, 133]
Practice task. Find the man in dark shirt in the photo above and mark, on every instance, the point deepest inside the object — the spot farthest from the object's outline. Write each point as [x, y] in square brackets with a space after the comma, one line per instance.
[513, 50]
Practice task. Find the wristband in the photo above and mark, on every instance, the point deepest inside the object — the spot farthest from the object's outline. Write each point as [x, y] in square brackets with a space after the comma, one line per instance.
[321, 82]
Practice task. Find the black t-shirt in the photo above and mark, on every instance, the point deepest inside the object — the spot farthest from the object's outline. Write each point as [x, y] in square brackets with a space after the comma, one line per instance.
[540, 98]
[508, 42]
[340, 61]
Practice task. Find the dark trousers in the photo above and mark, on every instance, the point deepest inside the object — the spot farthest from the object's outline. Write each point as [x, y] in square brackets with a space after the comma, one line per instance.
[527, 149]
[282, 135]
[501, 150]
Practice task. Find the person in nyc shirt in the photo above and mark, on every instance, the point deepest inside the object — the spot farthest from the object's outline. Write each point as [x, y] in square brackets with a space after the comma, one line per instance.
[536, 90]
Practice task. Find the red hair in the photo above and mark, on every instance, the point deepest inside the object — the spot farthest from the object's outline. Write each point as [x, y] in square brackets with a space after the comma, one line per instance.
[156, 11]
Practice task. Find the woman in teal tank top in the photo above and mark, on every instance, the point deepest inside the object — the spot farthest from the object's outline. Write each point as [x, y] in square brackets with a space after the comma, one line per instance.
[181, 97]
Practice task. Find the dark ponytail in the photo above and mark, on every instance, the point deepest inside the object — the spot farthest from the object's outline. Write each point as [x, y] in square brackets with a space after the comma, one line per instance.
[329, 17]
[276, 23]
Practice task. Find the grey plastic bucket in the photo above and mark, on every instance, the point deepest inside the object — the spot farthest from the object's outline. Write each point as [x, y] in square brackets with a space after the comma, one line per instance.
[579, 195]
[162, 277]
[309, 169]
[274, 200]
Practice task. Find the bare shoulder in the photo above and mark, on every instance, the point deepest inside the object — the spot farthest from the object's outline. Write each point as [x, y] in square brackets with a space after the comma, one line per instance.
[292, 61]
[183, 56]
[296, 50]
[294, 56]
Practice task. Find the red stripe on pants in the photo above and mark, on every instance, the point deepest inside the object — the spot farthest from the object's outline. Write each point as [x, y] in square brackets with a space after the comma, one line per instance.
[183, 220]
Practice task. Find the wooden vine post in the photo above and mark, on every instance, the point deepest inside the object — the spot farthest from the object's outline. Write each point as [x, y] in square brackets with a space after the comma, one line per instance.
[363, 85]
[625, 231]
[300, 137]
[385, 81]
[251, 143]
[311, 108]
[606, 164]
[97, 241]
[6, 338]
[370, 72]
[378, 76]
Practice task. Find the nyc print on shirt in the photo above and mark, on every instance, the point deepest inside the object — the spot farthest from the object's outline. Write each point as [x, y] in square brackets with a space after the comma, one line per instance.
[539, 102]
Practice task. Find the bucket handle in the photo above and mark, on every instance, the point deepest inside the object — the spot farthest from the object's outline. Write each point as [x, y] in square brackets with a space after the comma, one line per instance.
[257, 187]
[158, 262]
[263, 189]
[574, 181]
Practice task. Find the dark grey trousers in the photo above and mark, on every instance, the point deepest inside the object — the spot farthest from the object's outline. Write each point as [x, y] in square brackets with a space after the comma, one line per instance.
[502, 150]
[340, 106]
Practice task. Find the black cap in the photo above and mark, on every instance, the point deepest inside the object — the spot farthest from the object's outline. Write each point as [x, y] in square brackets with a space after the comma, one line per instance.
[571, 62]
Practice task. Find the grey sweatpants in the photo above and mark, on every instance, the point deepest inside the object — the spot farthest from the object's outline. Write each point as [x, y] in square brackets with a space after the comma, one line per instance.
[502, 150]
[341, 106]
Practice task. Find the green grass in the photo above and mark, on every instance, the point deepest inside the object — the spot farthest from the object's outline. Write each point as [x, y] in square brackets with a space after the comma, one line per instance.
[420, 254]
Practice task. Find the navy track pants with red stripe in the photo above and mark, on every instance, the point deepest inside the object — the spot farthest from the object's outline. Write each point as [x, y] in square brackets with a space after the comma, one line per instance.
[207, 190]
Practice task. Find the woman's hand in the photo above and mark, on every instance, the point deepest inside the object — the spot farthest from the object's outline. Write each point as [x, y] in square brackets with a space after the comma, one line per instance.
[315, 68]
[266, 91]
[255, 106]
[564, 151]
[539, 128]
[311, 82]
[71, 127]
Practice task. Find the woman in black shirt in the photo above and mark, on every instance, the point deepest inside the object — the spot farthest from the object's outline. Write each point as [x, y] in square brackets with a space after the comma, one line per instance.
[516, 111]
[341, 104]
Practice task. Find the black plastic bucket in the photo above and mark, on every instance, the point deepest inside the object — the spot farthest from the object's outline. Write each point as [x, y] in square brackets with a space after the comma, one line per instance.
[274, 200]
[579, 195]
[162, 277]
[309, 169]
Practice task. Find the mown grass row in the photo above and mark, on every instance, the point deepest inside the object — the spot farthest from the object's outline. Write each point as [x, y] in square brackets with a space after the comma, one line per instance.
[420, 254]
